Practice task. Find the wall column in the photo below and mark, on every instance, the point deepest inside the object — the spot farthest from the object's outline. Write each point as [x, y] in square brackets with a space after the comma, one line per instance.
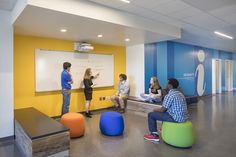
[6, 75]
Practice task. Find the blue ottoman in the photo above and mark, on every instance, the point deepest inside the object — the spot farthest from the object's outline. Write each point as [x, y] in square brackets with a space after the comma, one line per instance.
[111, 124]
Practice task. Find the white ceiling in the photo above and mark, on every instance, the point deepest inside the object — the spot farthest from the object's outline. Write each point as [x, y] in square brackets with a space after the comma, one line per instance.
[36, 21]
[7, 4]
[197, 18]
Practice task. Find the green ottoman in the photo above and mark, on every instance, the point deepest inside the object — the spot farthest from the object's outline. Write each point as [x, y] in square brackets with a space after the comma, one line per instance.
[178, 134]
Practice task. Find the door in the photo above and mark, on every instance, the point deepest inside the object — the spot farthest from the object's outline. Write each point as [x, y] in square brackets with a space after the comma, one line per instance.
[216, 76]
[228, 75]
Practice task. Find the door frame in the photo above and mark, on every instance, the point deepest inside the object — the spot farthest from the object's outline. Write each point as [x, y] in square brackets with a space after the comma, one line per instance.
[229, 79]
[214, 90]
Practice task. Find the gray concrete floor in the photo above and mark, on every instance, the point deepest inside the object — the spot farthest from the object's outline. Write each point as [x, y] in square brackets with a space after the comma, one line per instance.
[8, 149]
[213, 118]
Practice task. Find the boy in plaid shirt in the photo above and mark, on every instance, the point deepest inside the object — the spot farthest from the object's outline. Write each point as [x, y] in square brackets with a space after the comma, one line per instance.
[174, 109]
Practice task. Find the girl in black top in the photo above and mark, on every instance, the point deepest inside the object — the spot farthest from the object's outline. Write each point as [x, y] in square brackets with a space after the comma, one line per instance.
[155, 94]
[88, 89]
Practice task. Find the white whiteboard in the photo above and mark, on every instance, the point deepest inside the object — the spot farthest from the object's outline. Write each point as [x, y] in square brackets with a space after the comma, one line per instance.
[49, 65]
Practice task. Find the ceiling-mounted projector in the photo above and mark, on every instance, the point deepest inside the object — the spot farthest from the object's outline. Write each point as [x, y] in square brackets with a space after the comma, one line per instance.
[83, 47]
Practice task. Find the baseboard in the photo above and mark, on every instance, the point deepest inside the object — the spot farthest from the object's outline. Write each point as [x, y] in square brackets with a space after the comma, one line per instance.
[7, 138]
[97, 110]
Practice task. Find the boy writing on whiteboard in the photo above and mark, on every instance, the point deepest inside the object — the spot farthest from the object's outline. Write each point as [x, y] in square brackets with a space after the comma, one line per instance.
[66, 81]
[120, 98]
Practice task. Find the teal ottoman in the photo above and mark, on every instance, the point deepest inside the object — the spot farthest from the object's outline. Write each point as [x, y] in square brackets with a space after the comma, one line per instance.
[178, 134]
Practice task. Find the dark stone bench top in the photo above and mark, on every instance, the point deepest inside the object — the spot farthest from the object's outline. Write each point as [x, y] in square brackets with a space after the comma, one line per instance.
[189, 100]
[133, 98]
[36, 124]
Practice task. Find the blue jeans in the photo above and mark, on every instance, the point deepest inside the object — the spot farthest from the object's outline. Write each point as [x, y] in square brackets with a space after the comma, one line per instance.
[66, 101]
[154, 116]
[150, 99]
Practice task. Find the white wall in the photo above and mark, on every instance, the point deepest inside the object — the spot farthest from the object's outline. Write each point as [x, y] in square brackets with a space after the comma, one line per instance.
[135, 68]
[6, 75]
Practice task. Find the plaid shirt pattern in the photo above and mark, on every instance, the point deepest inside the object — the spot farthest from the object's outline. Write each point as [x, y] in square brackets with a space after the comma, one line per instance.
[176, 105]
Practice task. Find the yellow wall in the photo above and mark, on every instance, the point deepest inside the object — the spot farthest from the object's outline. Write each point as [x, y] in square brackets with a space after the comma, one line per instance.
[50, 102]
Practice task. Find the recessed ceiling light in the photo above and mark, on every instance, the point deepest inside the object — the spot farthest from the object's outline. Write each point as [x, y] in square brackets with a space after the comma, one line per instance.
[127, 39]
[126, 1]
[63, 30]
[100, 35]
[223, 35]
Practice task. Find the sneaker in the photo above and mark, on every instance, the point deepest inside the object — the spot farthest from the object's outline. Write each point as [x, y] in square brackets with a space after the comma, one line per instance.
[152, 137]
[122, 110]
[115, 108]
[88, 115]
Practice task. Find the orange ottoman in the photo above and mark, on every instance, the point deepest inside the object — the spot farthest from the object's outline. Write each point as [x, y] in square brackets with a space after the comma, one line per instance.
[75, 122]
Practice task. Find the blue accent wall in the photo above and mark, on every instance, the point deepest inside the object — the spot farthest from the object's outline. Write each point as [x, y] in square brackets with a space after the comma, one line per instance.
[162, 65]
[150, 63]
[154, 52]
[184, 67]
[171, 59]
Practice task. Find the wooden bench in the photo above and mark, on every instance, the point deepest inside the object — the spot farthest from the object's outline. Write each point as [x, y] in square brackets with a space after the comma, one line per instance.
[38, 135]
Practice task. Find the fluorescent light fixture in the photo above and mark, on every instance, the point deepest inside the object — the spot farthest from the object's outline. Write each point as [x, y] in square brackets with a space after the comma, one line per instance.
[127, 39]
[223, 35]
[126, 1]
[63, 30]
[100, 35]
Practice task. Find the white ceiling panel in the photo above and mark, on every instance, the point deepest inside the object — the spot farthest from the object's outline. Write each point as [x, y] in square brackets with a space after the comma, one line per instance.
[150, 14]
[168, 20]
[224, 11]
[209, 5]
[137, 10]
[170, 7]
[184, 13]
[231, 19]
[206, 21]
[110, 3]
[227, 14]
[196, 30]
[231, 29]
[216, 42]
[150, 4]
[7, 4]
